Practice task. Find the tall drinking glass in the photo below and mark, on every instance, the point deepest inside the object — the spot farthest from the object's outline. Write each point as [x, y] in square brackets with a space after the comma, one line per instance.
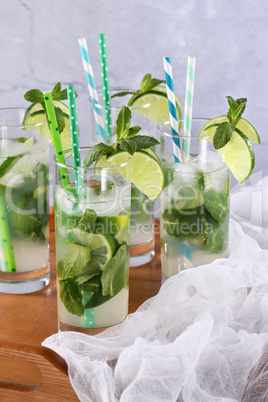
[24, 207]
[142, 209]
[92, 245]
[194, 205]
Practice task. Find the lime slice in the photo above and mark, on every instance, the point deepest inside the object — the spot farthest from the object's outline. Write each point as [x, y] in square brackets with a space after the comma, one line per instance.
[110, 224]
[103, 162]
[158, 111]
[27, 141]
[35, 114]
[101, 247]
[147, 174]
[239, 156]
[243, 125]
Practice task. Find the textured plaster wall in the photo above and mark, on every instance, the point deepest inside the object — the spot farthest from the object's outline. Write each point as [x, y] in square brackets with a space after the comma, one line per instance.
[38, 42]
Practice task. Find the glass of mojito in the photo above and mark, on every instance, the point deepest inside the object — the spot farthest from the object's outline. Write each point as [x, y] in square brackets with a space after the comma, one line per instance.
[24, 206]
[194, 205]
[144, 111]
[92, 223]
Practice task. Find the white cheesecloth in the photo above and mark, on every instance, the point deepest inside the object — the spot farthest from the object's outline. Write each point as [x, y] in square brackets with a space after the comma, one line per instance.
[202, 338]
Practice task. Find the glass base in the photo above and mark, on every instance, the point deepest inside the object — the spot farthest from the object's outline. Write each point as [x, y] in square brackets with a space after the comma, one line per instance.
[62, 327]
[141, 254]
[19, 283]
[141, 259]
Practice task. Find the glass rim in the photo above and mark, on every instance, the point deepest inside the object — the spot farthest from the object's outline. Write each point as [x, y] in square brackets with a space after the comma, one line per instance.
[22, 126]
[115, 89]
[90, 168]
[162, 131]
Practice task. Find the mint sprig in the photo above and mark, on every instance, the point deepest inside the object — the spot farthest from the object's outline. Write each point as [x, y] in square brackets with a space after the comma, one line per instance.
[147, 85]
[225, 130]
[126, 139]
[58, 94]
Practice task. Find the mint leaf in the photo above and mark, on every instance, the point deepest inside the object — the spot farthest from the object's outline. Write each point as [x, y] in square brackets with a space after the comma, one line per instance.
[88, 220]
[56, 89]
[216, 236]
[97, 299]
[216, 204]
[74, 262]
[71, 297]
[26, 223]
[115, 274]
[127, 145]
[98, 191]
[149, 83]
[145, 83]
[236, 109]
[96, 152]
[60, 118]
[8, 163]
[133, 131]
[143, 141]
[62, 95]
[92, 284]
[168, 176]
[223, 134]
[123, 93]
[123, 123]
[34, 96]
[191, 225]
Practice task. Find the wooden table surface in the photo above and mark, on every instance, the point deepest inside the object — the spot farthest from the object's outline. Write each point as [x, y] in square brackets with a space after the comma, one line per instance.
[32, 318]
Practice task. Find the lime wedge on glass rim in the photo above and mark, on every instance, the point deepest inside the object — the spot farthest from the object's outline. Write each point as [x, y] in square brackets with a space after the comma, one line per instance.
[158, 110]
[243, 125]
[238, 153]
[36, 114]
[147, 174]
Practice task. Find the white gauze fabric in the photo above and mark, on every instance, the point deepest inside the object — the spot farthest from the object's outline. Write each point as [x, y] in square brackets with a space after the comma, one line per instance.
[202, 338]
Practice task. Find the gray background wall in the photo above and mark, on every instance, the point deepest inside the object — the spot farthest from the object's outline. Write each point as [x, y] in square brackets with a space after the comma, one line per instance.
[229, 38]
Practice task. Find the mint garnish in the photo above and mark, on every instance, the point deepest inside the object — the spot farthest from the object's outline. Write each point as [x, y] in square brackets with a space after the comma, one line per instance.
[224, 131]
[58, 94]
[147, 85]
[96, 152]
[126, 136]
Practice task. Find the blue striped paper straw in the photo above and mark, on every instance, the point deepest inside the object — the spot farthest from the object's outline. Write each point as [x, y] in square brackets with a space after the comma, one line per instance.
[92, 88]
[172, 108]
[174, 130]
[74, 136]
[188, 108]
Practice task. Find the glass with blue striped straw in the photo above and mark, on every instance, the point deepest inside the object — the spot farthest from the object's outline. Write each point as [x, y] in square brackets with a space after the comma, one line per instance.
[194, 205]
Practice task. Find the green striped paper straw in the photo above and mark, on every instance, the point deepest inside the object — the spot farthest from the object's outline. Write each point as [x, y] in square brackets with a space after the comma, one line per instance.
[7, 257]
[74, 136]
[54, 129]
[105, 84]
[188, 108]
